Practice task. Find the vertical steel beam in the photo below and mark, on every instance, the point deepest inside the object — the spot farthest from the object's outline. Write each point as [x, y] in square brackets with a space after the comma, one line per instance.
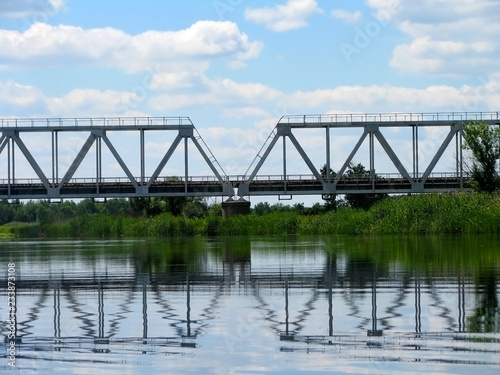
[328, 155]
[284, 164]
[13, 156]
[457, 154]
[9, 184]
[5, 141]
[372, 159]
[142, 156]
[186, 165]
[415, 151]
[98, 160]
[55, 158]
[461, 148]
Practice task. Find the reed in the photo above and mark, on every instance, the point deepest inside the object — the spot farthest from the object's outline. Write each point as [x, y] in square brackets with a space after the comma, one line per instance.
[460, 213]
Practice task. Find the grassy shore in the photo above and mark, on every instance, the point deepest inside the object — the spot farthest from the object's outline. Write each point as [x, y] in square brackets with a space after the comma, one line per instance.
[463, 213]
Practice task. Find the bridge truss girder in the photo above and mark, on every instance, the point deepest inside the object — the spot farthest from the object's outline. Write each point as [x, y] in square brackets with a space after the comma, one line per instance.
[409, 181]
[56, 187]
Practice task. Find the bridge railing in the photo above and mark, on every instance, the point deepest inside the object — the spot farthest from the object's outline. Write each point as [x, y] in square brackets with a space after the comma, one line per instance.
[389, 117]
[98, 122]
[110, 180]
[233, 179]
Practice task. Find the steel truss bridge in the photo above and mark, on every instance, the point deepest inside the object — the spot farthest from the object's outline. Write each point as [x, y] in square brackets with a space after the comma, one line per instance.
[57, 184]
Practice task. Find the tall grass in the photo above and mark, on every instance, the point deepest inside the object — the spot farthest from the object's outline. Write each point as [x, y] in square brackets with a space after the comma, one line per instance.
[417, 214]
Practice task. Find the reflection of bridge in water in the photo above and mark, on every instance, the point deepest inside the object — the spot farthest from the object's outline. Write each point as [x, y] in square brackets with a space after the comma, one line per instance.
[56, 179]
[299, 305]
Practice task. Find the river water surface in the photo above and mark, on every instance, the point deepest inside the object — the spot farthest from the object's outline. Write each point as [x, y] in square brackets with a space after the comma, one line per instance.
[291, 305]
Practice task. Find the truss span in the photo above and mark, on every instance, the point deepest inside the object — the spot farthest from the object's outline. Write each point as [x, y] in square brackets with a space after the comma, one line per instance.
[62, 184]
[60, 180]
[373, 129]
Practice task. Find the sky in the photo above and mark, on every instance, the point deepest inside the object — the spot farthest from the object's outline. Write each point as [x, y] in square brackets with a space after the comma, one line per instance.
[236, 66]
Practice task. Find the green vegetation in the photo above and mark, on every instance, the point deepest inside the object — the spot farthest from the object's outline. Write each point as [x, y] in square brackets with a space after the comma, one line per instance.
[483, 141]
[363, 201]
[460, 213]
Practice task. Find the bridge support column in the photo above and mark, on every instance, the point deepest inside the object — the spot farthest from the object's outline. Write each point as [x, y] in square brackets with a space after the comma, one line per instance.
[231, 208]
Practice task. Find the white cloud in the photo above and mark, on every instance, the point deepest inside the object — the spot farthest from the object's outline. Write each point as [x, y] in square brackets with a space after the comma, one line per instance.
[30, 8]
[47, 45]
[16, 98]
[27, 101]
[385, 98]
[290, 16]
[244, 112]
[346, 16]
[258, 103]
[217, 92]
[449, 37]
[82, 102]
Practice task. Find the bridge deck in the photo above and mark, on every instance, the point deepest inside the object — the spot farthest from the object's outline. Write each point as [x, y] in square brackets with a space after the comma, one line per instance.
[209, 186]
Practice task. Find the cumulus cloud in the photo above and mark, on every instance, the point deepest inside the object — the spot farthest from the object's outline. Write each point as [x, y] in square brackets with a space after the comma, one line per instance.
[448, 37]
[81, 102]
[346, 16]
[289, 16]
[16, 98]
[30, 8]
[250, 100]
[217, 92]
[48, 45]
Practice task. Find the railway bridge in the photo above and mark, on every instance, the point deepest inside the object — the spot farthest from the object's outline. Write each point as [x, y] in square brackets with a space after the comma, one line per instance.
[53, 179]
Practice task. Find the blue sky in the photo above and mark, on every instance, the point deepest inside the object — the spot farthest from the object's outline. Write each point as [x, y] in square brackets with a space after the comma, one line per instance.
[235, 66]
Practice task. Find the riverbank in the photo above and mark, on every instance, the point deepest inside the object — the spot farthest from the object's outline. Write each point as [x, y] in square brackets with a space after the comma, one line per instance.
[461, 213]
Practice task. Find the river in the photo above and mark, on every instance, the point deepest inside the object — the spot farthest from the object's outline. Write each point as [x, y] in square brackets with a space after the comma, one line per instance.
[285, 305]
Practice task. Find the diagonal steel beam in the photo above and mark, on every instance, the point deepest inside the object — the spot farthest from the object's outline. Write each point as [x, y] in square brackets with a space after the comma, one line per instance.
[306, 159]
[207, 159]
[392, 155]
[165, 159]
[263, 158]
[3, 142]
[31, 160]
[119, 159]
[453, 131]
[351, 155]
[78, 160]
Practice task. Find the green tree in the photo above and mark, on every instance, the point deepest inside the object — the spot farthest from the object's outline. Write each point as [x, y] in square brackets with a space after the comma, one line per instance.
[262, 208]
[7, 212]
[44, 213]
[483, 141]
[361, 200]
[195, 207]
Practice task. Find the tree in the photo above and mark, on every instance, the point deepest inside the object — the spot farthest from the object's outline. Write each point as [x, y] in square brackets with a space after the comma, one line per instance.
[483, 141]
[363, 201]
[323, 170]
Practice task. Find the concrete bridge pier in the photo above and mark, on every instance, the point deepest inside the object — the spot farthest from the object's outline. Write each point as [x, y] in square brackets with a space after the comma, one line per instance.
[234, 207]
